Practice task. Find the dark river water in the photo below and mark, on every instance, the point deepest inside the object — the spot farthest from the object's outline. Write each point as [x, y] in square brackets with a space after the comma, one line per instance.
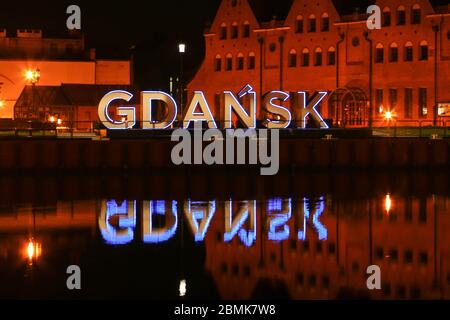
[302, 236]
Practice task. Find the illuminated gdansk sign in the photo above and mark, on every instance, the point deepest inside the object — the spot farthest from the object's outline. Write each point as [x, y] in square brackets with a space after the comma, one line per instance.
[199, 110]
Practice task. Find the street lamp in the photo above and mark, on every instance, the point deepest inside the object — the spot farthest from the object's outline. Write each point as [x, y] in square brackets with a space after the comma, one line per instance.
[32, 76]
[2, 103]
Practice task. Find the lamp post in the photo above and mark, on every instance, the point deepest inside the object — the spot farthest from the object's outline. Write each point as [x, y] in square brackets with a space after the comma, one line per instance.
[33, 76]
[181, 51]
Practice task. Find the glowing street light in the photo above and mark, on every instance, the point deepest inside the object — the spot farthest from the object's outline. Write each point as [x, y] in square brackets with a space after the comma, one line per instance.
[182, 48]
[2, 103]
[59, 122]
[33, 76]
[388, 203]
[388, 115]
[52, 119]
[182, 288]
[33, 250]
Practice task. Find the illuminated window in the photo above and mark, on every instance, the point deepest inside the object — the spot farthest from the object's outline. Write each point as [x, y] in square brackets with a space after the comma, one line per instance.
[240, 62]
[325, 23]
[409, 51]
[408, 103]
[318, 57]
[331, 56]
[305, 57]
[401, 16]
[292, 58]
[234, 30]
[229, 62]
[246, 30]
[386, 17]
[218, 63]
[223, 31]
[379, 100]
[423, 105]
[379, 53]
[415, 14]
[423, 51]
[393, 52]
[251, 61]
[299, 24]
[312, 23]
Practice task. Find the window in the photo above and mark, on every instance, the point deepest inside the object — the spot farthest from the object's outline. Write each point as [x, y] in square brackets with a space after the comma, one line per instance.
[325, 23]
[312, 23]
[234, 31]
[379, 53]
[305, 57]
[229, 62]
[408, 103]
[331, 56]
[393, 255]
[423, 108]
[415, 14]
[423, 51]
[409, 51]
[318, 57]
[393, 98]
[393, 52]
[299, 24]
[246, 30]
[401, 16]
[251, 61]
[223, 31]
[218, 63]
[379, 100]
[240, 62]
[53, 47]
[408, 257]
[292, 58]
[233, 3]
[386, 17]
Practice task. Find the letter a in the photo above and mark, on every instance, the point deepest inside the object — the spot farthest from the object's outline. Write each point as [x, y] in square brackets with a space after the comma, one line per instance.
[374, 20]
[74, 20]
[374, 281]
[74, 280]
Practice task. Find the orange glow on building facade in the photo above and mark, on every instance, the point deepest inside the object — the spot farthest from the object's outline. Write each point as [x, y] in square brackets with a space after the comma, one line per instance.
[401, 71]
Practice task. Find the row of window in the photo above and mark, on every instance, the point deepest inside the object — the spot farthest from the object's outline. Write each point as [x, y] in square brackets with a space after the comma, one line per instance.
[408, 114]
[240, 62]
[312, 26]
[305, 57]
[234, 31]
[312, 23]
[408, 256]
[415, 15]
[408, 52]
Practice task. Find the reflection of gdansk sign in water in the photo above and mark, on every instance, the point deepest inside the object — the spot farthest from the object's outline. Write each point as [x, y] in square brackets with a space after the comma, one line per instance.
[160, 220]
[278, 117]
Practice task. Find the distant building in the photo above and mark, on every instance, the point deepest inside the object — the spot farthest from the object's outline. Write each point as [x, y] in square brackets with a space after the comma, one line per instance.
[60, 59]
[75, 105]
[401, 70]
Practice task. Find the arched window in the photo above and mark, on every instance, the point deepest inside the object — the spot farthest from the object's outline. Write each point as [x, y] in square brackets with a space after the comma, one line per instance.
[240, 62]
[234, 30]
[379, 53]
[218, 63]
[251, 64]
[318, 57]
[299, 24]
[408, 51]
[229, 62]
[386, 17]
[423, 51]
[393, 52]
[292, 63]
[401, 16]
[312, 23]
[416, 14]
[305, 57]
[246, 29]
[223, 31]
[331, 56]
[325, 23]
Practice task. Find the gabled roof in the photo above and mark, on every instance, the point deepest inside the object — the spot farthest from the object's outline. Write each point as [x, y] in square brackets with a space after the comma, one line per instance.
[68, 95]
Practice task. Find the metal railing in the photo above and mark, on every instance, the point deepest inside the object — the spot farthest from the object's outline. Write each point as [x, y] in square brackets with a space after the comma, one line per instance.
[89, 129]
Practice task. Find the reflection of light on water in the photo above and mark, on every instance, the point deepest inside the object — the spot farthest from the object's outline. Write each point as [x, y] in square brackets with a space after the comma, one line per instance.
[388, 203]
[33, 250]
[182, 288]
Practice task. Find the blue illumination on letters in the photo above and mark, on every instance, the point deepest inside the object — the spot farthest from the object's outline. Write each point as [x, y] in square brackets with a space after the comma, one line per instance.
[126, 221]
[196, 210]
[282, 212]
[233, 227]
[318, 210]
[154, 235]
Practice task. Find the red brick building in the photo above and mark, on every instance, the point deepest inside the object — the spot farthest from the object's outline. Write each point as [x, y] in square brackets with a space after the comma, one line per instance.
[402, 69]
